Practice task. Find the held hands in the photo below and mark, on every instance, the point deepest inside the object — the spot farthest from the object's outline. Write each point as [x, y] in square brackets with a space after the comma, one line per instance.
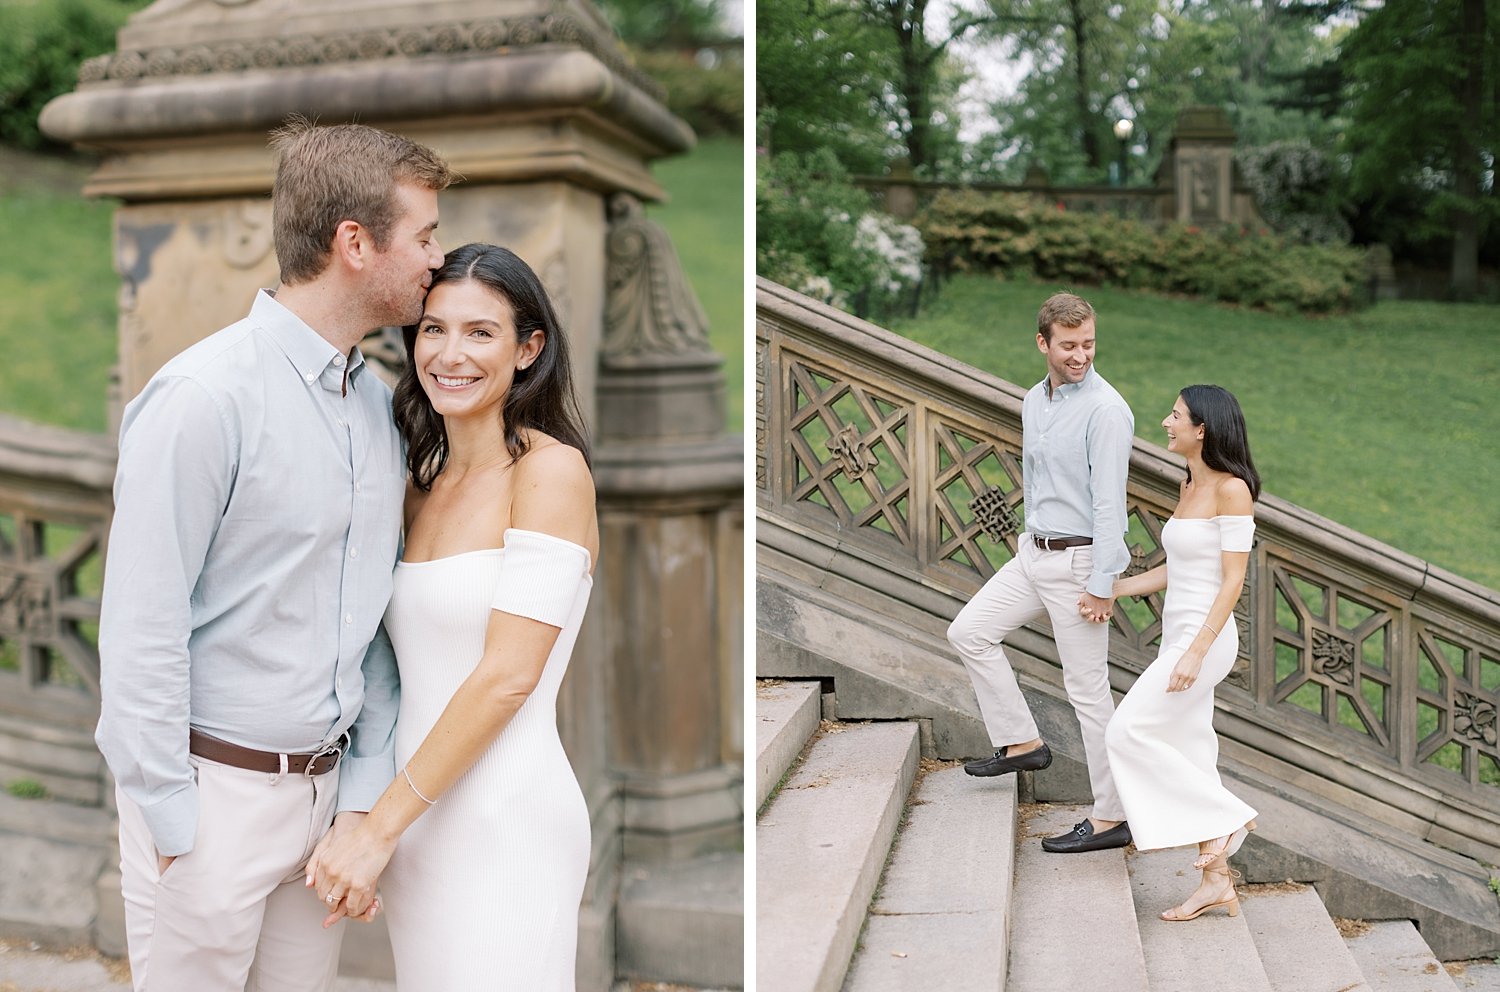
[1185, 673]
[1095, 610]
[345, 867]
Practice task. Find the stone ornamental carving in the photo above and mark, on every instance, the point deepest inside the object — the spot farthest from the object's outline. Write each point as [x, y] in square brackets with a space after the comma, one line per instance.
[853, 452]
[762, 359]
[1333, 656]
[1138, 558]
[247, 234]
[650, 310]
[997, 518]
[478, 36]
[1474, 718]
[25, 604]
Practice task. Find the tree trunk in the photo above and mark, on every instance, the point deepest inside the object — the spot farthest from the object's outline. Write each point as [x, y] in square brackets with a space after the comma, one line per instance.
[1089, 138]
[911, 37]
[1464, 275]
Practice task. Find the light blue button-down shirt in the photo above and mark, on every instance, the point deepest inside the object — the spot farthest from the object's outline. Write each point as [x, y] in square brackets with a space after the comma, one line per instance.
[257, 517]
[1075, 454]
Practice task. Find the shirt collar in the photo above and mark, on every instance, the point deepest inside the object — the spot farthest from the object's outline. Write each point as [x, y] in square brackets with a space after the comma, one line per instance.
[1068, 388]
[309, 352]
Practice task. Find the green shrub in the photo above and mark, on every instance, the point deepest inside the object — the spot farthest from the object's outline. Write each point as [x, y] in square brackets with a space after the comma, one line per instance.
[1013, 232]
[819, 235]
[42, 45]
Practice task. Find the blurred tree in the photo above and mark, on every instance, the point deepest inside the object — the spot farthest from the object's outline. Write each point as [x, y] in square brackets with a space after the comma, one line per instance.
[1422, 81]
[670, 24]
[821, 82]
[873, 79]
[41, 47]
[1095, 61]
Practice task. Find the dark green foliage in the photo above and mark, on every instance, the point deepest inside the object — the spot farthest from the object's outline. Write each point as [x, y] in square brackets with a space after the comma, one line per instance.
[666, 25]
[1298, 188]
[1016, 234]
[711, 100]
[41, 46]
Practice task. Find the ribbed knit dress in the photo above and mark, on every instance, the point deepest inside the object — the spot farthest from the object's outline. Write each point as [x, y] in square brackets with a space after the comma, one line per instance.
[483, 892]
[1163, 752]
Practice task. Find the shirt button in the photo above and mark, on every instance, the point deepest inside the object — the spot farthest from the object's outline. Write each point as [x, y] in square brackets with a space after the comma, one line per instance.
[348, 618]
[338, 360]
[311, 376]
[353, 552]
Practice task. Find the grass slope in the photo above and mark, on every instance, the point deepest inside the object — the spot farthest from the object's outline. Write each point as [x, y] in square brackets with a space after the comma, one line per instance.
[1385, 420]
[706, 219]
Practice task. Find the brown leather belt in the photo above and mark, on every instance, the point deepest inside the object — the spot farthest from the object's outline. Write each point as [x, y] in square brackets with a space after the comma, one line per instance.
[1060, 543]
[317, 762]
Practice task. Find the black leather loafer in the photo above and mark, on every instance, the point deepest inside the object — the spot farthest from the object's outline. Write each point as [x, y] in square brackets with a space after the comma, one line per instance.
[998, 764]
[1082, 838]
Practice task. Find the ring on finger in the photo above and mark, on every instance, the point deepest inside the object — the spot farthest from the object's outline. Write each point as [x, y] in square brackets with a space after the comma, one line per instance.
[332, 899]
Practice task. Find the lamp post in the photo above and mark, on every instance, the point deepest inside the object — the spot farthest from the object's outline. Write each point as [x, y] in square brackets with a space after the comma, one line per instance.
[1124, 127]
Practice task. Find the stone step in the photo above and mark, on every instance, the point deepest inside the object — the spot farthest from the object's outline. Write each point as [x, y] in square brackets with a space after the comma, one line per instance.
[684, 923]
[1215, 951]
[820, 846]
[1394, 958]
[941, 919]
[1482, 975]
[786, 715]
[1300, 948]
[1073, 923]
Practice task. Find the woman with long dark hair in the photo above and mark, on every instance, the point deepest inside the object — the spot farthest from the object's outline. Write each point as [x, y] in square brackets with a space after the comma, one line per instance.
[1162, 748]
[501, 537]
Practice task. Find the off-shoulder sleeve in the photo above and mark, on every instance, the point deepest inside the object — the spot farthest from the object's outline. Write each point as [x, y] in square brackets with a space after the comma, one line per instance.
[540, 577]
[1235, 533]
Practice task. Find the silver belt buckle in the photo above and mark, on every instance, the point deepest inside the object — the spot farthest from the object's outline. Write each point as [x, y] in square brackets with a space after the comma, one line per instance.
[338, 747]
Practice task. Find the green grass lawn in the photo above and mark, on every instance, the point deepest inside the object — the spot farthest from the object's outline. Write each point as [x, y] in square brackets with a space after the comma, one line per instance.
[706, 219]
[58, 287]
[1386, 420]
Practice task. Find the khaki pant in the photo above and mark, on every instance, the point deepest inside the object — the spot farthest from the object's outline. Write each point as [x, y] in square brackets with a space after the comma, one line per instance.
[1034, 583]
[233, 914]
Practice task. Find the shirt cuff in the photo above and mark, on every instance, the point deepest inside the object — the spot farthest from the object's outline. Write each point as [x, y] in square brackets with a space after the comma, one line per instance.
[173, 822]
[1102, 585]
[362, 780]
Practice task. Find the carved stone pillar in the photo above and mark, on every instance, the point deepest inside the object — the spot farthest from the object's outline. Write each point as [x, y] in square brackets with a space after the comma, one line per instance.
[1199, 168]
[533, 102]
[670, 500]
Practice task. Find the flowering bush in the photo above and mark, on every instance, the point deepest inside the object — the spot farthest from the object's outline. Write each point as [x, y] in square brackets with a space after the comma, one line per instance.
[1013, 232]
[820, 236]
[1296, 189]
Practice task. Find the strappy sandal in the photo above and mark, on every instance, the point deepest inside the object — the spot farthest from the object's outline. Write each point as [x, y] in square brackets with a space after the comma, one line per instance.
[1231, 900]
[1225, 850]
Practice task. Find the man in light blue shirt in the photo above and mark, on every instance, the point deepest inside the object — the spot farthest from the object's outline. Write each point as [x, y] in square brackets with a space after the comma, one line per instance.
[1076, 441]
[247, 695]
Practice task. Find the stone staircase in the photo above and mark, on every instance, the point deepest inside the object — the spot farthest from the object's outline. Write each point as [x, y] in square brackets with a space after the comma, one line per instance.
[879, 870]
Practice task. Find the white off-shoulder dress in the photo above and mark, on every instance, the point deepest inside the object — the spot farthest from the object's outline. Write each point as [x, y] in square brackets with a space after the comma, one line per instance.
[483, 892]
[1162, 748]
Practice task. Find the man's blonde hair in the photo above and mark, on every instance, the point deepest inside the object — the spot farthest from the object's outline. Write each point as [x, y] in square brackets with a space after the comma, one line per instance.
[326, 175]
[1062, 308]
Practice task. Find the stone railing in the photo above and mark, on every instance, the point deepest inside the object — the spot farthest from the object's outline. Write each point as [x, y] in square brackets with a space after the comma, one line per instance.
[54, 513]
[1366, 672]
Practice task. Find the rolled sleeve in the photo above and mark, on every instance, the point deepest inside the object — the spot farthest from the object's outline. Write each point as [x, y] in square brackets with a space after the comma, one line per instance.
[1109, 444]
[371, 762]
[173, 479]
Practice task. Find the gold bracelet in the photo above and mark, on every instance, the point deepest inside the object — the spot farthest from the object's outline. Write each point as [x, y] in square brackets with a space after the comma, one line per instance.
[414, 788]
